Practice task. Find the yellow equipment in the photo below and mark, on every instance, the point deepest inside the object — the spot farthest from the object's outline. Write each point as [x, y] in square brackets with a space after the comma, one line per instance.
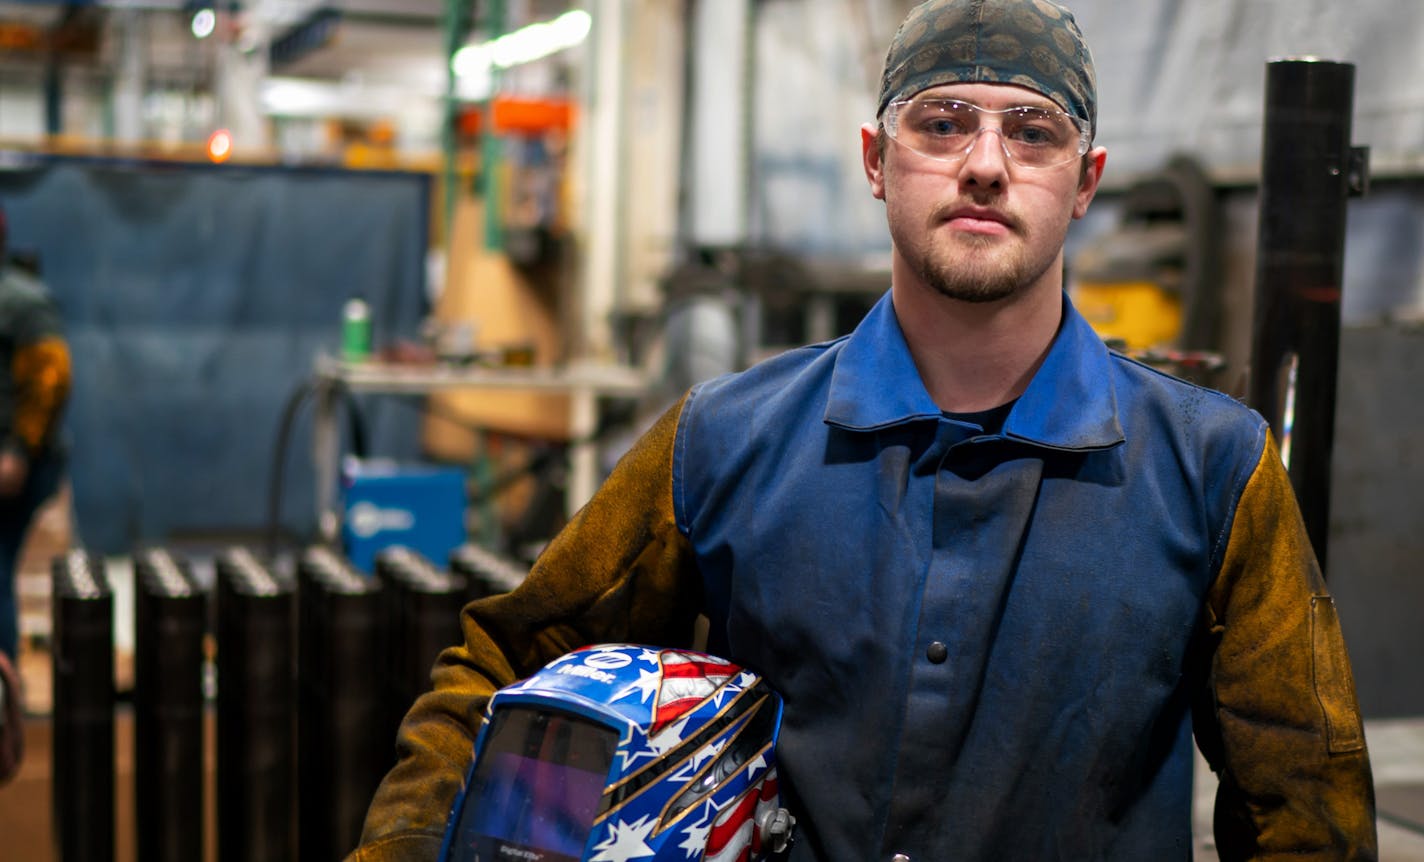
[1153, 281]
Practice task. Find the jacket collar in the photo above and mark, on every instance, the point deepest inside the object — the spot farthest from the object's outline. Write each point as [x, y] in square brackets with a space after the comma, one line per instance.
[1069, 404]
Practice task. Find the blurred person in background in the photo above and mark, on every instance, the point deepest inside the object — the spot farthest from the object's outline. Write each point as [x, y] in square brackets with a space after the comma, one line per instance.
[34, 385]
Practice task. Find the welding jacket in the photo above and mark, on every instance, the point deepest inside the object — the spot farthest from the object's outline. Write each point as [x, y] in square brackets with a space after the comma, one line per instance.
[991, 646]
[32, 349]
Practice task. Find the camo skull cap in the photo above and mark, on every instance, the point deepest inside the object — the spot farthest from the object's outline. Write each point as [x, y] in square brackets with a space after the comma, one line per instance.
[1031, 43]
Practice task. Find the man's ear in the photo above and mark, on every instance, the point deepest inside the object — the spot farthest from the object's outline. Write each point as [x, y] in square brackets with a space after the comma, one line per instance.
[1092, 174]
[872, 159]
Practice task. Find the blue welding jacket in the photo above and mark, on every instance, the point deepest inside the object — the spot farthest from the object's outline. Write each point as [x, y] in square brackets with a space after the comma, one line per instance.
[984, 641]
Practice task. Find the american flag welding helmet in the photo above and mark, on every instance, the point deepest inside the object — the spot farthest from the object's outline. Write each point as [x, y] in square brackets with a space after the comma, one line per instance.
[622, 753]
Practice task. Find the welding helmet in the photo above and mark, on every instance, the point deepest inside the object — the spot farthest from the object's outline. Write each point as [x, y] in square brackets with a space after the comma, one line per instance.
[622, 752]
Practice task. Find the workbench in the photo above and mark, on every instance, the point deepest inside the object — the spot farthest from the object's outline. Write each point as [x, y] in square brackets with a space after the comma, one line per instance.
[583, 383]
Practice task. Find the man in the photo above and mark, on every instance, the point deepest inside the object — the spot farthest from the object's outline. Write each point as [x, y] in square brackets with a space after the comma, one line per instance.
[34, 384]
[1000, 575]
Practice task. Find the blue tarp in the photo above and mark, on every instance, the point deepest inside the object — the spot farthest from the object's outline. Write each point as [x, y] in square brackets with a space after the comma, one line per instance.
[195, 300]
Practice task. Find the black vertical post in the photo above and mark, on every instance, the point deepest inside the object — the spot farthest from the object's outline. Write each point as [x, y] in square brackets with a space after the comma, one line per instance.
[170, 614]
[424, 608]
[1308, 170]
[82, 801]
[255, 716]
[342, 753]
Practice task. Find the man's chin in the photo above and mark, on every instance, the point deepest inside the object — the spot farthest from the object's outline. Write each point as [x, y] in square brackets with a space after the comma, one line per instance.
[976, 281]
[979, 294]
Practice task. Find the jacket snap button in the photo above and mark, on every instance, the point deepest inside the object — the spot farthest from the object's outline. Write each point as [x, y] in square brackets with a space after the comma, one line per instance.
[937, 653]
[899, 857]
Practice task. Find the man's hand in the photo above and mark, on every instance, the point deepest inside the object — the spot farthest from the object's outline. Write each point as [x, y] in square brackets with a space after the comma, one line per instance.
[14, 467]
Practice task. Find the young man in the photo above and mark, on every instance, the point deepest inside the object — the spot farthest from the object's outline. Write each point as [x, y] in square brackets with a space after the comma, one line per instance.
[1000, 575]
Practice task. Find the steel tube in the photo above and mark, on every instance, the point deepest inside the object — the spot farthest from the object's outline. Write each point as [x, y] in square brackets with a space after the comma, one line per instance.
[424, 609]
[342, 752]
[1306, 166]
[255, 711]
[82, 756]
[170, 613]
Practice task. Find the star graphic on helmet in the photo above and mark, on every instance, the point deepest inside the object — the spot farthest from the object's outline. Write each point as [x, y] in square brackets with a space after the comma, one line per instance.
[632, 754]
[626, 841]
[734, 685]
[695, 763]
[756, 764]
[646, 686]
[670, 737]
[695, 840]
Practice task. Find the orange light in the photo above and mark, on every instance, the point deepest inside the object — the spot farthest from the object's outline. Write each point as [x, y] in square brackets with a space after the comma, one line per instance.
[220, 146]
[515, 115]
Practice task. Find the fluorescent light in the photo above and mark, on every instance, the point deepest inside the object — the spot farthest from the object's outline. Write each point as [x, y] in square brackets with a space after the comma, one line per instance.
[524, 45]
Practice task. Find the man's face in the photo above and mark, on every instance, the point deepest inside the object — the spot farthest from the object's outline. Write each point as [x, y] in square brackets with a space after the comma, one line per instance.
[981, 228]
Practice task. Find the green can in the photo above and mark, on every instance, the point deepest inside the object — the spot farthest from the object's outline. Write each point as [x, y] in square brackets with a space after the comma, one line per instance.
[355, 331]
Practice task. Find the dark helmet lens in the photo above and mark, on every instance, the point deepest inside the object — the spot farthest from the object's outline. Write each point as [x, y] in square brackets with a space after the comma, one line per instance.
[537, 788]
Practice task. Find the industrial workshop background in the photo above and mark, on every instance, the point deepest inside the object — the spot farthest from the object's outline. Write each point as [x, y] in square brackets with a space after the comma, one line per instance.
[492, 239]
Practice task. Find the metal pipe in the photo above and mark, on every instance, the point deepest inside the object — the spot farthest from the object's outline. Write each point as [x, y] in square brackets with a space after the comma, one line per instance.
[424, 607]
[255, 710]
[170, 612]
[341, 750]
[82, 756]
[1308, 169]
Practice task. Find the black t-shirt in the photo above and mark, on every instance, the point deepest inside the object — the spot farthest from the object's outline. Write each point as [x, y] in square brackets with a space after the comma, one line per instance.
[991, 420]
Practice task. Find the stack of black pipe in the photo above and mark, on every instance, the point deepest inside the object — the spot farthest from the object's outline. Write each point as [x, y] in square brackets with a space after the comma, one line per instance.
[83, 679]
[341, 660]
[314, 678]
[255, 711]
[170, 622]
[424, 618]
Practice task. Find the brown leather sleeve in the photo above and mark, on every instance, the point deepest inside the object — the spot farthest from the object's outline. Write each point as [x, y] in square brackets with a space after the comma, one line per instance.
[621, 571]
[41, 372]
[1280, 723]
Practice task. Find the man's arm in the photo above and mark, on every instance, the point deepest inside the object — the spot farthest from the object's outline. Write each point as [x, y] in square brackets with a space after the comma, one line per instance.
[620, 571]
[1279, 722]
[40, 370]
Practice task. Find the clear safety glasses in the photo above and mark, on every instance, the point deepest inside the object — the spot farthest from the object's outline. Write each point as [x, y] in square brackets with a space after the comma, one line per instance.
[946, 129]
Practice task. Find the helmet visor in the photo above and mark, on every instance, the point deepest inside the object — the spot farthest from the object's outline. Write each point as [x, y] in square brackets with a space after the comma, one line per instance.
[536, 789]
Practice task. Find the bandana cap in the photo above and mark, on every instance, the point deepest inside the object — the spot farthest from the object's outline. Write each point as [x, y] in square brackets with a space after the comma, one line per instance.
[1030, 43]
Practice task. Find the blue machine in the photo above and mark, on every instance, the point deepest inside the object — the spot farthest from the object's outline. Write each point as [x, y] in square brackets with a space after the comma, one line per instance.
[617, 753]
[385, 503]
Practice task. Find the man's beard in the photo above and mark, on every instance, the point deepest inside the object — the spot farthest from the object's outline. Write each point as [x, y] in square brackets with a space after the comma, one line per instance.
[973, 278]
[976, 269]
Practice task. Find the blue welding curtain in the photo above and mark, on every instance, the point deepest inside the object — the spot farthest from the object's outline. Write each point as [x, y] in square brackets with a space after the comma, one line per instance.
[196, 299]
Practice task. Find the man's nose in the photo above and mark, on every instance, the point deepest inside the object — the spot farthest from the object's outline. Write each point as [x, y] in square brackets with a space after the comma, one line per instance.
[986, 162]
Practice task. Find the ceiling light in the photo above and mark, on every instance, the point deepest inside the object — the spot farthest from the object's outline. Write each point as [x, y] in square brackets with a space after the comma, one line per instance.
[205, 21]
[524, 45]
[220, 146]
